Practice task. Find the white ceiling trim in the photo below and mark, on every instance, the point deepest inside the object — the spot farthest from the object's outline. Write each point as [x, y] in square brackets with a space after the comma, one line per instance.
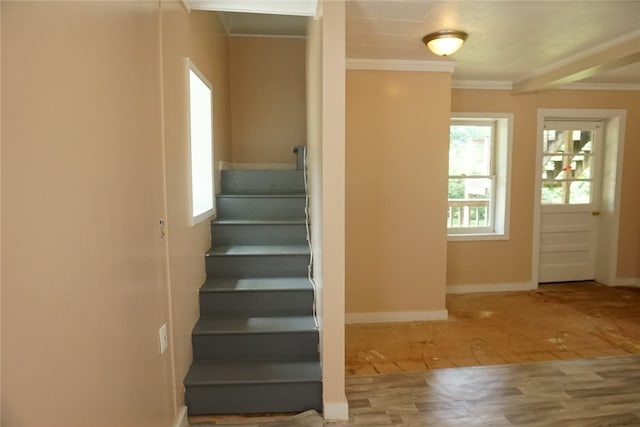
[603, 47]
[400, 65]
[482, 84]
[599, 59]
[266, 36]
[601, 86]
[276, 7]
[506, 85]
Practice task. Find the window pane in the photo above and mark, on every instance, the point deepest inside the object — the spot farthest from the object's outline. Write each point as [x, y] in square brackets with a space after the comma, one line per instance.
[468, 214]
[567, 141]
[568, 160]
[201, 145]
[552, 167]
[553, 192]
[470, 150]
[567, 167]
[469, 202]
[470, 188]
[579, 192]
[566, 192]
[581, 166]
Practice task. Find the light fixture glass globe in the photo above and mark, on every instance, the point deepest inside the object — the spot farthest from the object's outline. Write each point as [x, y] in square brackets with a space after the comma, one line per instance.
[446, 46]
[445, 42]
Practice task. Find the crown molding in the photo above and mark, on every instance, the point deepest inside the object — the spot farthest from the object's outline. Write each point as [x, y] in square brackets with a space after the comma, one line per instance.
[449, 67]
[400, 65]
[482, 84]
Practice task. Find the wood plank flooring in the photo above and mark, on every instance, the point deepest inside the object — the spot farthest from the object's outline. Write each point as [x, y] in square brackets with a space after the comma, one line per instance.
[595, 392]
[555, 322]
[582, 393]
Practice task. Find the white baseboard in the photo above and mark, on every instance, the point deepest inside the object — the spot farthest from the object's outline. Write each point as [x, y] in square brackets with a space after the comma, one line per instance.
[182, 420]
[396, 316]
[336, 411]
[627, 281]
[491, 287]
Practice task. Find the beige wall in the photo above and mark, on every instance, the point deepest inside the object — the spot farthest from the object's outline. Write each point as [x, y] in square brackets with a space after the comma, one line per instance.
[200, 36]
[83, 278]
[484, 262]
[501, 261]
[86, 149]
[0, 216]
[268, 105]
[397, 150]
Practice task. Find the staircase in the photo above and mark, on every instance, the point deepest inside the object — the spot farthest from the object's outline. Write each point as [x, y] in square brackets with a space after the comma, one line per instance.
[255, 346]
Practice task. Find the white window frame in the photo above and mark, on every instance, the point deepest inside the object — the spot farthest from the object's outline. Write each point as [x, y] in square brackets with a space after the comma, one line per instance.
[501, 167]
[201, 169]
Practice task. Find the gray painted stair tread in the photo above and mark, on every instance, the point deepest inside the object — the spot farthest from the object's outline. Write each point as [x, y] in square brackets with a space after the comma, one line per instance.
[210, 325]
[206, 372]
[261, 195]
[258, 221]
[240, 250]
[256, 284]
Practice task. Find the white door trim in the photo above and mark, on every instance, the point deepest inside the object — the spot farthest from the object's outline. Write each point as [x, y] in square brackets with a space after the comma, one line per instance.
[607, 252]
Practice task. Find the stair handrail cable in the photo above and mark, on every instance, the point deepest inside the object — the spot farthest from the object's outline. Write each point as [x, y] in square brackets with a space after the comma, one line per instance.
[308, 228]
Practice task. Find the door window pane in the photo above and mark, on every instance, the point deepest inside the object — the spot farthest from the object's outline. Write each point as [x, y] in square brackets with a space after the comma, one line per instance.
[567, 141]
[567, 166]
[579, 192]
[552, 192]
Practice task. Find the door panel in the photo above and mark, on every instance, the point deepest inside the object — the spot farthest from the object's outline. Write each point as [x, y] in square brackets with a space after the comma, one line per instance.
[569, 201]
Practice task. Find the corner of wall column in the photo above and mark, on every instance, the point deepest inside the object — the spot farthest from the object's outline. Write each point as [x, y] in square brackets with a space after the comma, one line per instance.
[333, 207]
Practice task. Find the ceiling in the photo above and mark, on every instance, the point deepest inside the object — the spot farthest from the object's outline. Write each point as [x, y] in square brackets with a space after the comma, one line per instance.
[509, 41]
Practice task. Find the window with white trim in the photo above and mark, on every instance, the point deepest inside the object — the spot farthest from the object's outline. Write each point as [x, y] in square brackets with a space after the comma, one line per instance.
[478, 185]
[200, 144]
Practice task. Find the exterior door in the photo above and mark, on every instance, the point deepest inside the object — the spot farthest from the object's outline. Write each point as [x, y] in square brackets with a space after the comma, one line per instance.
[570, 189]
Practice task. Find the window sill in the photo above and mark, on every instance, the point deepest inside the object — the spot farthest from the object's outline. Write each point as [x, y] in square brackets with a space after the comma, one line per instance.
[476, 237]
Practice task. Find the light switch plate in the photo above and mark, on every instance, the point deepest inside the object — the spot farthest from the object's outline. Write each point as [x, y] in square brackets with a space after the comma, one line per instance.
[164, 340]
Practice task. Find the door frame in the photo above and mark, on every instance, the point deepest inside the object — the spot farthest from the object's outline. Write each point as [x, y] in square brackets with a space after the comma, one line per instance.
[606, 265]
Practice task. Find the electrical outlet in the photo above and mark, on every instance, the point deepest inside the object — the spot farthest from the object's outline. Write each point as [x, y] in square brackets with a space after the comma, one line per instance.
[164, 340]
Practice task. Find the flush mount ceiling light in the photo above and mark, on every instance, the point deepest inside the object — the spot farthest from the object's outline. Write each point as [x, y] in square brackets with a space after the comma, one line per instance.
[445, 42]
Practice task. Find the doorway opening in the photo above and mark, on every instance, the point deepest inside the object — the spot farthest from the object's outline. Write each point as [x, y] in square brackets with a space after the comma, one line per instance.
[577, 206]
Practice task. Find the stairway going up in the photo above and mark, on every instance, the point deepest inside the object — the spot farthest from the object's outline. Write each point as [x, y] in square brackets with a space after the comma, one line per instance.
[255, 346]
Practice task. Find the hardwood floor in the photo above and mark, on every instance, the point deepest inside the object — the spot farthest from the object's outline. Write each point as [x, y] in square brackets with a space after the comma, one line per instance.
[582, 393]
[595, 392]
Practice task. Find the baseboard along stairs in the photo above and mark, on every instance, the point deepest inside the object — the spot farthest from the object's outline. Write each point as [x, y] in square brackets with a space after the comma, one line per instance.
[255, 346]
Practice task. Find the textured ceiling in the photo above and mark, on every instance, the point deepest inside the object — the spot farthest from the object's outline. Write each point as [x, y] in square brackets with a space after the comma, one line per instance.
[508, 40]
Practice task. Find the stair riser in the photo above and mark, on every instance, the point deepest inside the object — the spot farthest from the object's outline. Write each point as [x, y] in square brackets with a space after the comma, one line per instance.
[267, 234]
[256, 346]
[257, 266]
[254, 398]
[260, 207]
[257, 303]
[262, 181]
